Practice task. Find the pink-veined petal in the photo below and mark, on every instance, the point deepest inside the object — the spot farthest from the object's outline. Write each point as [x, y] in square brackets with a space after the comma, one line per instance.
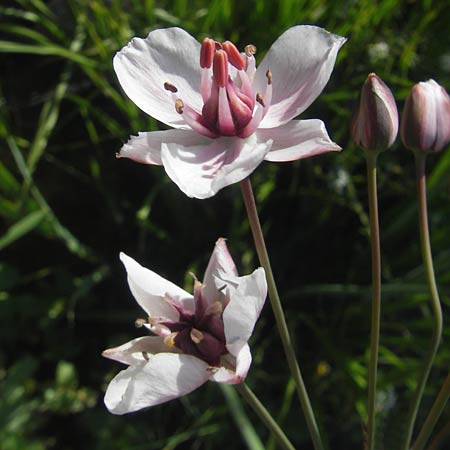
[298, 139]
[164, 377]
[242, 361]
[220, 261]
[200, 171]
[167, 55]
[138, 349]
[149, 289]
[244, 308]
[301, 61]
[145, 148]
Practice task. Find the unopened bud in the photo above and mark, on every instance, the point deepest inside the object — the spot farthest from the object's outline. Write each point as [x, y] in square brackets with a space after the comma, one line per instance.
[375, 123]
[426, 118]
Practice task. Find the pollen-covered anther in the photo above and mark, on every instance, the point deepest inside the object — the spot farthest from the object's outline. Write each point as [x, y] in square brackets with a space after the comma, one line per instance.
[250, 50]
[179, 106]
[207, 51]
[269, 76]
[220, 68]
[169, 340]
[196, 336]
[260, 99]
[170, 87]
[214, 308]
[234, 57]
[140, 323]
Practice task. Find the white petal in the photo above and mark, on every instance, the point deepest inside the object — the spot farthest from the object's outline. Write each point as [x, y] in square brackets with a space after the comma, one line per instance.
[164, 377]
[145, 148]
[242, 362]
[241, 313]
[298, 139]
[301, 61]
[220, 261]
[202, 170]
[165, 55]
[136, 350]
[149, 289]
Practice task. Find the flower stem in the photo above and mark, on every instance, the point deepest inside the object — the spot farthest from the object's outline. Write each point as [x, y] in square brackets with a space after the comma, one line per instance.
[371, 160]
[250, 205]
[433, 416]
[253, 401]
[420, 158]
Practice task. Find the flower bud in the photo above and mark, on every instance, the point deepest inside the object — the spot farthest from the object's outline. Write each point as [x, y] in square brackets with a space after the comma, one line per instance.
[426, 118]
[375, 123]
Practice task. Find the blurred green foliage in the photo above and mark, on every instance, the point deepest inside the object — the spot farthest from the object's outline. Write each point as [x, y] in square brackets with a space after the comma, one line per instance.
[67, 207]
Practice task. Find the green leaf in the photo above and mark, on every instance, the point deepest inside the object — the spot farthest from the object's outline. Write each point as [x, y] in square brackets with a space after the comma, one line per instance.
[22, 227]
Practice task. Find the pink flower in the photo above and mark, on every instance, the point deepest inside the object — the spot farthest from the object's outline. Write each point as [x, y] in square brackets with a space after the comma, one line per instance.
[197, 338]
[375, 123]
[228, 116]
[425, 124]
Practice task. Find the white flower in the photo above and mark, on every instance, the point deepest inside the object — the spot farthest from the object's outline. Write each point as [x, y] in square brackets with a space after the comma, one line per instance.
[197, 338]
[228, 116]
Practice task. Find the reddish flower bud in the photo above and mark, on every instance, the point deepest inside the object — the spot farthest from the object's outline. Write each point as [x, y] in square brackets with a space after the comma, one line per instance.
[426, 118]
[375, 123]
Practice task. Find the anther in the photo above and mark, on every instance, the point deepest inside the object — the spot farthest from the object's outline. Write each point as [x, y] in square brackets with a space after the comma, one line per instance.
[179, 105]
[145, 356]
[249, 50]
[260, 99]
[207, 51]
[269, 76]
[170, 87]
[234, 57]
[140, 323]
[196, 336]
[214, 308]
[169, 340]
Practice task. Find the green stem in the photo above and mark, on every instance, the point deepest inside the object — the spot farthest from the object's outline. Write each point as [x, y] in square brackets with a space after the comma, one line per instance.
[371, 159]
[440, 438]
[280, 319]
[433, 416]
[425, 246]
[253, 401]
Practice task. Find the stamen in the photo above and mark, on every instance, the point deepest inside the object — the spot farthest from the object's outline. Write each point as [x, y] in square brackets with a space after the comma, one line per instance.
[207, 51]
[196, 336]
[220, 68]
[269, 76]
[145, 356]
[169, 340]
[170, 87]
[140, 323]
[250, 50]
[260, 99]
[215, 308]
[179, 106]
[234, 57]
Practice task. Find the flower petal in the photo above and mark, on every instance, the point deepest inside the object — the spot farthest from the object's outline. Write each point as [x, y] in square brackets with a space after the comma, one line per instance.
[149, 289]
[298, 139]
[164, 377]
[167, 55]
[241, 313]
[145, 148]
[220, 261]
[135, 351]
[243, 361]
[200, 171]
[301, 61]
